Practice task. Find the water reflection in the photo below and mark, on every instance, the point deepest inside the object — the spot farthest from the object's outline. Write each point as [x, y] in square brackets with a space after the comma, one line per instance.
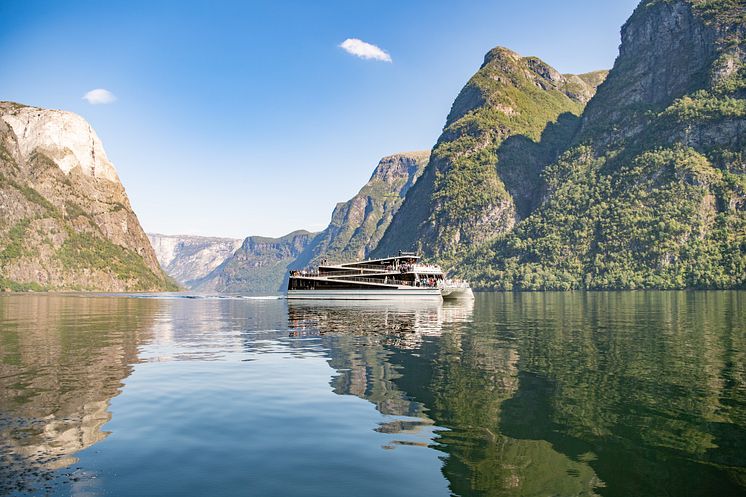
[61, 360]
[463, 379]
[425, 363]
[650, 385]
[212, 329]
[627, 393]
[361, 337]
[400, 324]
[613, 394]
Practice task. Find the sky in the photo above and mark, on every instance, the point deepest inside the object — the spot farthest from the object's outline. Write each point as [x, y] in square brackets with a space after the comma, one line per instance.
[238, 118]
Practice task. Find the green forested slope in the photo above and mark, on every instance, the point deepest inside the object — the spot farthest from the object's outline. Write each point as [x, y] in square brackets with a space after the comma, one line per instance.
[478, 182]
[650, 191]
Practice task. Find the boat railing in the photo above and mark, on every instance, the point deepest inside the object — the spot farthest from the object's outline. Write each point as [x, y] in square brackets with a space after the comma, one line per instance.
[430, 268]
[377, 280]
[324, 274]
[402, 268]
[355, 272]
[392, 281]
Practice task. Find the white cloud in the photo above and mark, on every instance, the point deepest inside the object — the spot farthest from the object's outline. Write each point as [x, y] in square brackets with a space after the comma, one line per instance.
[364, 50]
[99, 96]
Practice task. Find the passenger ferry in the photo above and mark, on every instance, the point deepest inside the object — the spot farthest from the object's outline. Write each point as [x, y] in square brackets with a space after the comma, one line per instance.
[400, 277]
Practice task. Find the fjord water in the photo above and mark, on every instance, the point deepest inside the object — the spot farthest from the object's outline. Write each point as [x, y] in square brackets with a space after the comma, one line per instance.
[614, 394]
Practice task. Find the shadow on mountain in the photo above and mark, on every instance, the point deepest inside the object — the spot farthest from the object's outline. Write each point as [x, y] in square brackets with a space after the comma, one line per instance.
[521, 160]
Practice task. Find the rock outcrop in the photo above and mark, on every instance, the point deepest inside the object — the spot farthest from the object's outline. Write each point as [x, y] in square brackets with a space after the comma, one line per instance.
[65, 220]
[188, 259]
[357, 225]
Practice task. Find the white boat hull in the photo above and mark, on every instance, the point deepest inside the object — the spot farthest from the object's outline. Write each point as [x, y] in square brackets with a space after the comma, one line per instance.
[457, 293]
[392, 294]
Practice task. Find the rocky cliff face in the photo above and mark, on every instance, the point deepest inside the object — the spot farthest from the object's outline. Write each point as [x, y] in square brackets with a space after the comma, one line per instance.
[188, 259]
[358, 224]
[650, 191]
[259, 266]
[483, 174]
[65, 220]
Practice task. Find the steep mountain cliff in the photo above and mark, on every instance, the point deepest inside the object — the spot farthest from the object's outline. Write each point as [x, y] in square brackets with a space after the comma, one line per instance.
[510, 119]
[358, 224]
[190, 258]
[259, 266]
[65, 220]
[650, 192]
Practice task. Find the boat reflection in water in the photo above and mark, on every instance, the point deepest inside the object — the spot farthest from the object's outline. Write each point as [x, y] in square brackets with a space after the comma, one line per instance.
[361, 337]
[400, 323]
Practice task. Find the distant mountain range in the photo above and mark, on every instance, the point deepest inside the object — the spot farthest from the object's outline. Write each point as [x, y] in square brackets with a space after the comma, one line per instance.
[259, 266]
[190, 259]
[631, 178]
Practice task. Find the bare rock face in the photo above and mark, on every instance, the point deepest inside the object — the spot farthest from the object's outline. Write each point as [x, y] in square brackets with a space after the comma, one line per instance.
[65, 220]
[188, 258]
[669, 49]
[64, 137]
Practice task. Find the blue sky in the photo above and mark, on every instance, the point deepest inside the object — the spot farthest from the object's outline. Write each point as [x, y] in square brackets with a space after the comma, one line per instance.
[247, 118]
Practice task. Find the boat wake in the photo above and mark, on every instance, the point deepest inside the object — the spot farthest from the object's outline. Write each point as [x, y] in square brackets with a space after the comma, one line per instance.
[188, 296]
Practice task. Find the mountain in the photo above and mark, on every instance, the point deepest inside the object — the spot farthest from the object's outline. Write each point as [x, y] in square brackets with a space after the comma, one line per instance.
[358, 224]
[65, 220]
[511, 118]
[650, 190]
[259, 266]
[188, 258]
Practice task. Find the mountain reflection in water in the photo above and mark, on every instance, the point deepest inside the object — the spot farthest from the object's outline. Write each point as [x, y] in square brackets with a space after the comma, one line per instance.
[58, 371]
[614, 394]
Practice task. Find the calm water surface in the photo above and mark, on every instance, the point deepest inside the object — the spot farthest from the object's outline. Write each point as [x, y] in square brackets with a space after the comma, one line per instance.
[612, 394]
